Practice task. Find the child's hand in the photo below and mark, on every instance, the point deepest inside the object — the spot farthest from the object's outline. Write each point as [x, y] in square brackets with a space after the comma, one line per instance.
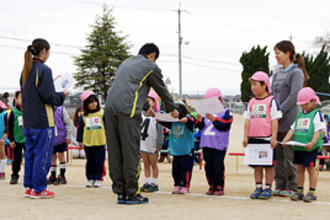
[210, 117]
[309, 145]
[245, 142]
[284, 142]
[184, 120]
[68, 141]
[199, 118]
[150, 112]
[273, 143]
[12, 144]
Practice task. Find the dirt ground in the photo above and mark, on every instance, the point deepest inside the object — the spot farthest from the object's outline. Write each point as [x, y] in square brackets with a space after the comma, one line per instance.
[75, 201]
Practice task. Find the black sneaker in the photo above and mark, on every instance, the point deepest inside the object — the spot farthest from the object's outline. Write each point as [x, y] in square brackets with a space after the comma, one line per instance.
[145, 187]
[152, 188]
[52, 180]
[121, 199]
[60, 180]
[136, 199]
[14, 179]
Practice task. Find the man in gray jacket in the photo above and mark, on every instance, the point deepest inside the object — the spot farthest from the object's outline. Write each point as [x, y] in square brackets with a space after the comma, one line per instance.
[123, 109]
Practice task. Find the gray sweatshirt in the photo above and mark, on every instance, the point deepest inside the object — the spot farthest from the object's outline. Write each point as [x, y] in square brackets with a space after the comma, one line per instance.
[285, 88]
[131, 86]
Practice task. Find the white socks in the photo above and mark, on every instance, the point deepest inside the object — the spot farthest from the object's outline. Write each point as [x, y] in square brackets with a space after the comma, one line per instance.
[148, 180]
[2, 166]
[155, 181]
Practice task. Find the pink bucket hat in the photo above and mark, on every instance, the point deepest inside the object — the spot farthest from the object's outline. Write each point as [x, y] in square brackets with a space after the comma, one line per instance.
[307, 94]
[86, 94]
[154, 96]
[3, 105]
[261, 76]
[213, 92]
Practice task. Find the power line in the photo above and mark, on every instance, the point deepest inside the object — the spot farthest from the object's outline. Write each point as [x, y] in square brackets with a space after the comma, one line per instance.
[24, 48]
[26, 40]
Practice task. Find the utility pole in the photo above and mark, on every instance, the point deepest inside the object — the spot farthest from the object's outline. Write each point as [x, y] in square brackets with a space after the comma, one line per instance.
[180, 40]
[179, 52]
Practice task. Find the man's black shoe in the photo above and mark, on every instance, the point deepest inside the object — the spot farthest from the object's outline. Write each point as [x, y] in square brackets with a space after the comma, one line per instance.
[136, 199]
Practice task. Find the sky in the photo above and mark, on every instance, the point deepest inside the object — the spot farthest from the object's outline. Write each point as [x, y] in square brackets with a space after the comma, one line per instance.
[215, 34]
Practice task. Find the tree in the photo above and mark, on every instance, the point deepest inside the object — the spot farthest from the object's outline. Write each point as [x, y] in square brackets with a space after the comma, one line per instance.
[319, 70]
[101, 57]
[323, 41]
[253, 61]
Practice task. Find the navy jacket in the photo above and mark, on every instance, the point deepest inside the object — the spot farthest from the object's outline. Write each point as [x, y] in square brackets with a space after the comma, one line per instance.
[39, 97]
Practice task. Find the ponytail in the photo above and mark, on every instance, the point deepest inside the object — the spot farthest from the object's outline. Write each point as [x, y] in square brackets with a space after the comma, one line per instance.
[299, 60]
[37, 45]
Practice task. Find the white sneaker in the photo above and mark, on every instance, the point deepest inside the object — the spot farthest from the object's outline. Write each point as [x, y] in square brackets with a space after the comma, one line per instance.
[97, 183]
[90, 183]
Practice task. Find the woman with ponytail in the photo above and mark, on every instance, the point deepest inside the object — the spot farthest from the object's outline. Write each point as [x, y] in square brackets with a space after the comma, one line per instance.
[287, 82]
[39, 98]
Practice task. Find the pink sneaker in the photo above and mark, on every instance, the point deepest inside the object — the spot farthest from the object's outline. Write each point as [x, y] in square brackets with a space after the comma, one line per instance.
[42, 195]
[176, 190]
[27, 193]
[184, 190]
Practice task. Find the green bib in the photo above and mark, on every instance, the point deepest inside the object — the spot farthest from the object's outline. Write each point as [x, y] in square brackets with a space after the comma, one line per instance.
[18, 126]
[304, 131]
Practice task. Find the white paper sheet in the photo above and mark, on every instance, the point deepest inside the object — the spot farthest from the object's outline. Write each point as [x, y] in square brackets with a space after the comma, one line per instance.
[65, 82]
[165, 117]
[258, 154]
[210, 105]
[293, 143]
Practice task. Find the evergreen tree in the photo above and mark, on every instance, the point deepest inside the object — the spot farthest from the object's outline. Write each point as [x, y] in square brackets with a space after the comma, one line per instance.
[253, 61]
[319, 70]
[104, 52]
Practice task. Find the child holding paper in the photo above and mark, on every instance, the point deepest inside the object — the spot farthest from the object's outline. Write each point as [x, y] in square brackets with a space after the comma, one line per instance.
[308, 129]
[261, 122]
[214, 142]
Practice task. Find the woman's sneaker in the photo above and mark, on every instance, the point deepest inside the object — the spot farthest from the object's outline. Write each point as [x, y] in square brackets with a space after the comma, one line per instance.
[256, 193]
[310, 197]
[266, 194]
[184, 190]
[210, 191]
[136, 199]
[97, 184]
[297, 196]
[42, 195]
[219, 191]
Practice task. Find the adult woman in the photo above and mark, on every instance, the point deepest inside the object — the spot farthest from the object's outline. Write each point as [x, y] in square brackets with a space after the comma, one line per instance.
[39, 98]
[287, 82]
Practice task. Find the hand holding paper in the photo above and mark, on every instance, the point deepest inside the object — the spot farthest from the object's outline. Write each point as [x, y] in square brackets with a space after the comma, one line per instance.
[64, 82]
[210, 105]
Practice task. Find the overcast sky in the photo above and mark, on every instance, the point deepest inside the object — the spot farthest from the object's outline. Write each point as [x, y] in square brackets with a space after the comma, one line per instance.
[216, 33]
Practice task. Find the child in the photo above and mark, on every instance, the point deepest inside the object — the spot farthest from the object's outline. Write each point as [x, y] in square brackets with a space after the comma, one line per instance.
[3, 136]
[181, 146]
[308, 129]
[214, 142]
[63, 135]
[151, 143]
[16, 135]
[261, 121]
[91, 136]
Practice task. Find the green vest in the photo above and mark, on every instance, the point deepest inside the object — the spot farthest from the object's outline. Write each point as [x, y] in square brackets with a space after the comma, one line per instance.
[18, 126]
[304, 131]
[94, 131]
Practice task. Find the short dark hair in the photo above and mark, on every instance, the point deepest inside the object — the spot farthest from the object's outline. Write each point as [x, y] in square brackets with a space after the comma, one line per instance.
[149, 48]
[182, 110]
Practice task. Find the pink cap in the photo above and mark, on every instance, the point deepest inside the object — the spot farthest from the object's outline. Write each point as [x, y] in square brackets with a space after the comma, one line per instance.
[86, 94]
[213, 92]
[154, 95]
[261, 76]
[17, 90]
[307, 94]
[3, 105]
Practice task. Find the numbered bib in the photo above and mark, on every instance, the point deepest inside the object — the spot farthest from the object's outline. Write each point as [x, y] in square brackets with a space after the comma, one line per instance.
[93, 123]
[303, 124]
[259, 111]
[20, 120]
[178, 131]
[208, 130]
